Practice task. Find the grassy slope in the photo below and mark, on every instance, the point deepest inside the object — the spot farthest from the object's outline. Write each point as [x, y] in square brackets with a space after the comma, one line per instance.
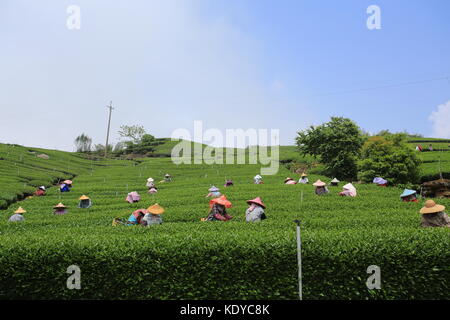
[185, 258]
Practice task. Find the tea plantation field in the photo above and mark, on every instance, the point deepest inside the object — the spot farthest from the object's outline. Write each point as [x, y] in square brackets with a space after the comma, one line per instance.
[185, 258]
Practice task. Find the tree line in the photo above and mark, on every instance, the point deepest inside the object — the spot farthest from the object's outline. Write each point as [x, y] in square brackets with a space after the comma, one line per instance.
[134, 140]
[349, 153]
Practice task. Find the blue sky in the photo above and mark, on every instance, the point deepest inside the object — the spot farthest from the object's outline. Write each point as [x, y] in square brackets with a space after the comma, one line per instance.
[232, 64]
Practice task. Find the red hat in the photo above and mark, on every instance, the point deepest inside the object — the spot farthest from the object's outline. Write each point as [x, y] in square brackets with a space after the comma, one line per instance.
[257, 201]
[222, 200]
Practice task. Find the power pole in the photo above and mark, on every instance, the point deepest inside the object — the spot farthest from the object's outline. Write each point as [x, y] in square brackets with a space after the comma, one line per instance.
[110, 107]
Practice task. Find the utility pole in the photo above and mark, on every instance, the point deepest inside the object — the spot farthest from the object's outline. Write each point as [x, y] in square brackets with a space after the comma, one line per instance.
[110, 107]
[299, 259]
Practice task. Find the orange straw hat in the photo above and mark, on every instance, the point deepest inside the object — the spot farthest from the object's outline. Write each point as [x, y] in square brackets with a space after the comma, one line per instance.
[257, 201]
[20, 210]
[222, 200]
[83, 197]
[155, 209]
[431, 207]
[59, 206]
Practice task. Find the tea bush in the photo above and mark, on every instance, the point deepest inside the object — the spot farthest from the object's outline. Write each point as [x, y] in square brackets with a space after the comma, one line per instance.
[185, 258]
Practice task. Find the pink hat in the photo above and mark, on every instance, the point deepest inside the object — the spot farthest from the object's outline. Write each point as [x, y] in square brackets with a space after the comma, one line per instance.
[257, 201]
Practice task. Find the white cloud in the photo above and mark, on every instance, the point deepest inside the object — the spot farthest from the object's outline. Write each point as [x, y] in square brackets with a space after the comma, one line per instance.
[162, 64]
[441, 121]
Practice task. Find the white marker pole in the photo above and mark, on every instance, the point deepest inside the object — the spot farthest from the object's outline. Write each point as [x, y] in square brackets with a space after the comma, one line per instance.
[299, 258]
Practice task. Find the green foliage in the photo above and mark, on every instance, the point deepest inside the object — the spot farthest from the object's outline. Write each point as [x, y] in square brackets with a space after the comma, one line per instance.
[83, 143]
[337, 143]
[135, 132]
[391, 158]
[185, 258]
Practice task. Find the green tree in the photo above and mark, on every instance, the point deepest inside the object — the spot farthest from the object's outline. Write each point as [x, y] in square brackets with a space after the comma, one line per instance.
[135, 132]
[391, 158]
[83, 143]
[337, 143]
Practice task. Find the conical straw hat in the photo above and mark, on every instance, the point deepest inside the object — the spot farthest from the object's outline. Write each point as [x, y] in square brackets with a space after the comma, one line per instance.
[222, 200]
[258, 201]
[431, 207]
[20, 210]
[59, 206]
[155, 209]
[319, 183]
[83, 197]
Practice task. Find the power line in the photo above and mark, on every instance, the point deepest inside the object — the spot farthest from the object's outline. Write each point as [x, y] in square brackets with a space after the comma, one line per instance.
[382, 87]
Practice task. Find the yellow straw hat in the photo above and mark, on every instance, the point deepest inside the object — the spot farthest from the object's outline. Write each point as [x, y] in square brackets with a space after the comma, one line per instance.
[155, 209]
[59, 206]
[431, 207]
[83, 197]
[20, 210]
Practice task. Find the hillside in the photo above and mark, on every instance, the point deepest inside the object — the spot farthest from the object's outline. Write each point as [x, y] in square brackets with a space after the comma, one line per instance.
[185, 258]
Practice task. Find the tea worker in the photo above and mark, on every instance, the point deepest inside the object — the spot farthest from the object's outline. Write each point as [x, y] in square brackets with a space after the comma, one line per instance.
[60, 209]
[255, 211]
[334, 182]
[18, 215]
[380, 182]
[289, 180]
[153, 215]
[40, 191]
[153, 189]
[228, 183]
[409, 196]
[68, 182]
[213, 192]
[64, 187]
[85, 202]
[303, 179]
[218, 210]
[137, 217]
[320, 187]
[433, 215]
[150, 182]
[167, 178]
[348, 190]
[133, 197]
[258, 179]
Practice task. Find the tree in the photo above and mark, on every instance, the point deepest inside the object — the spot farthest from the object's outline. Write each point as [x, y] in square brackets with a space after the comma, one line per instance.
[338, 144]
[134, 132]
[83, 143]
[391, 158]
[145, 145]
[100, 148]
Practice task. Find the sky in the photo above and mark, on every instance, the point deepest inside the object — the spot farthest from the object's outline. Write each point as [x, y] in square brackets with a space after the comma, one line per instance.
[231, 64]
